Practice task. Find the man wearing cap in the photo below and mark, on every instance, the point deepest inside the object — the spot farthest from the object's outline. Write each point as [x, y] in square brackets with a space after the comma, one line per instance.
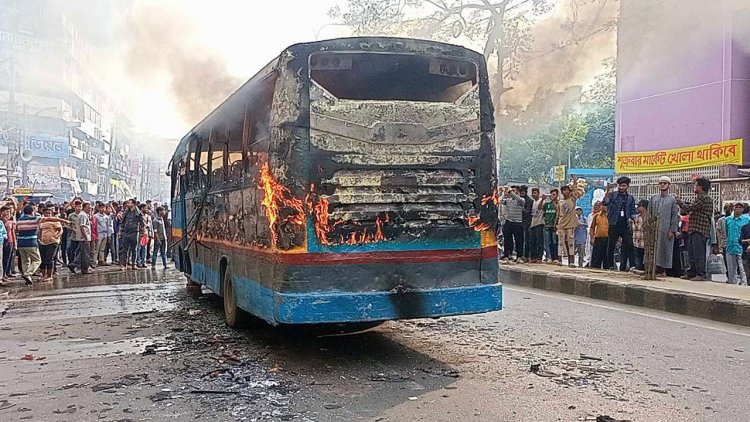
[664, 207]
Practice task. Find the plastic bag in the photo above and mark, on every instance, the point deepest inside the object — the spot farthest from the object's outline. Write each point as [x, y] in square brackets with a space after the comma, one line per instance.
[715, 264]
[144, 240]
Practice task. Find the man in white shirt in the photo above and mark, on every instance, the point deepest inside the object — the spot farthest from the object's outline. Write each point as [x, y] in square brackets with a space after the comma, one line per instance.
[81, 239]
[536, 230]
[104, 229]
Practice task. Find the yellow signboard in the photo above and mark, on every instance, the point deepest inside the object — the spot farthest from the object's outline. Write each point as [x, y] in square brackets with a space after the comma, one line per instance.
[728, 152]
[558, 173]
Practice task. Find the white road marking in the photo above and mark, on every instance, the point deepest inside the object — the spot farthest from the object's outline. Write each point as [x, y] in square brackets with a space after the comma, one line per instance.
[561, 296]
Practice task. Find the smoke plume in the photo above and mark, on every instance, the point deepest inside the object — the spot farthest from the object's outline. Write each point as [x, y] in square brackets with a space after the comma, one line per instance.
[160, 49]
[568, 51]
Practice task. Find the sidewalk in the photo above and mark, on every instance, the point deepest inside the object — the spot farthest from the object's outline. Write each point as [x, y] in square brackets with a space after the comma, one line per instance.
[710, 300]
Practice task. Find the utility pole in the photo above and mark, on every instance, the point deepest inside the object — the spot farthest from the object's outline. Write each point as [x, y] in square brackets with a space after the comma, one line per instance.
[143, 178]
[12, 93]
[12, 156]
[109, 160]
[21, 147]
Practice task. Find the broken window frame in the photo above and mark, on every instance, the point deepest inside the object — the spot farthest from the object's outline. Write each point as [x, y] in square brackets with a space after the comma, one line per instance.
[450, 94]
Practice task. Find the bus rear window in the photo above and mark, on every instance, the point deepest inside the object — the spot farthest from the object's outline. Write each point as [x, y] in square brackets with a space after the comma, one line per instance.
[400, 77]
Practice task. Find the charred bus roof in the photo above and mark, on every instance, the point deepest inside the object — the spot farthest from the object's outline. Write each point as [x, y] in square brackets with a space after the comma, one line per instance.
[300, 52]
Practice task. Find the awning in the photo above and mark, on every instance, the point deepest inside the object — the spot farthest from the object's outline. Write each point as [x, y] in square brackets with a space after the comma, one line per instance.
[122, 188]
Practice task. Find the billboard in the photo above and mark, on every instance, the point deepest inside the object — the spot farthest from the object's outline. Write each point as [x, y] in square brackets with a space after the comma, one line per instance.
[729, 152]
[48, 146]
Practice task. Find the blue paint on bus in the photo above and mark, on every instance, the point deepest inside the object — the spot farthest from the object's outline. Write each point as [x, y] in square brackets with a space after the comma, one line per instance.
[471, 241]
[339, 307]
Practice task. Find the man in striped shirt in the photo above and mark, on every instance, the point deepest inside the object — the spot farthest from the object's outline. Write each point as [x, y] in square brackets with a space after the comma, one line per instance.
[27, 228]
[700, 218]
[513, 231]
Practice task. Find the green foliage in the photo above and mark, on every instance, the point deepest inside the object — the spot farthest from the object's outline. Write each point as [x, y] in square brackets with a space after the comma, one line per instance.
[600, 140]
[587, 137]
[530, 158]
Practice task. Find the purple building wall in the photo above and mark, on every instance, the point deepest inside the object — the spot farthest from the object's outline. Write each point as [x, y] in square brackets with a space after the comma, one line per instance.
[683, 74]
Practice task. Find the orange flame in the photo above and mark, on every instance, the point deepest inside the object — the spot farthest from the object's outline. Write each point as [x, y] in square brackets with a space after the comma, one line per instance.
[495, 198]
[476, 223]
[322, 223]
[363, 236]
[282, 208]
[277, 197]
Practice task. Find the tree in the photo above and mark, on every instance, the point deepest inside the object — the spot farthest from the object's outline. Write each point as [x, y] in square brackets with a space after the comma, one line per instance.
[600, 98]
[587, 135]
[530, 158]
[503, 27]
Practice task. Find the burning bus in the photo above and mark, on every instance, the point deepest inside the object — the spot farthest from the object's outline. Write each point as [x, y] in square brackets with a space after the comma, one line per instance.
[349, 181]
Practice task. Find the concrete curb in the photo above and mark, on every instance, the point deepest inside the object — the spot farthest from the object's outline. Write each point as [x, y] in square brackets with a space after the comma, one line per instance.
[732, 311]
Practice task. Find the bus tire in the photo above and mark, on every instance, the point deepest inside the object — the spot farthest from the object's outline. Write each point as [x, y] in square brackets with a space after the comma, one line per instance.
[233, 315]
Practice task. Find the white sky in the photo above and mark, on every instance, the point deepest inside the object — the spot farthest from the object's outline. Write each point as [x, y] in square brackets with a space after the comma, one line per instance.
[247, 34]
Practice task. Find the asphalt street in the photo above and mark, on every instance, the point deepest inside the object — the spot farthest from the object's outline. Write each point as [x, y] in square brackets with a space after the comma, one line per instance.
[132, 346]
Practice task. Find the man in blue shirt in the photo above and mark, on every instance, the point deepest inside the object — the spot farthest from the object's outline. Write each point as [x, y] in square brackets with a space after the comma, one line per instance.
[733, 229]
[620, 211]
[28, 242]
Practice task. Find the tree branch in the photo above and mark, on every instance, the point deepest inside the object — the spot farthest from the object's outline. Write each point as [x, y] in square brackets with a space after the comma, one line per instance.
[517, 5]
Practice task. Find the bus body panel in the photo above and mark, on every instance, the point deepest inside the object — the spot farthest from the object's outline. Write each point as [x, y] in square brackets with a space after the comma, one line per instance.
[410, 170]
[262, 288]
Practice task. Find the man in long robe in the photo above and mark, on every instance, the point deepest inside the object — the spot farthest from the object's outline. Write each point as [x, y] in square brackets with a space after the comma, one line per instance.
[664, 207]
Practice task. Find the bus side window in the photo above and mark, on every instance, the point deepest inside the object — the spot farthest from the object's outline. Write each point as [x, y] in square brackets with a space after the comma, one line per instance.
[257, 122]
[233, 156]
[216, 168]
[177, 172]
[203, 163]
[192, 164]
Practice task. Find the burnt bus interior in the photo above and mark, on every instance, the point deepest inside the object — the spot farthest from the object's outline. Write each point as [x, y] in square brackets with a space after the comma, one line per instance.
[399, 145]
[368, 145]
[392, 77]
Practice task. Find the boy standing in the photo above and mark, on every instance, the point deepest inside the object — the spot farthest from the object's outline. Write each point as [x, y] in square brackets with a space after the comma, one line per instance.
[567, 220]
[581, 236]
[638, 236]
[599, 233]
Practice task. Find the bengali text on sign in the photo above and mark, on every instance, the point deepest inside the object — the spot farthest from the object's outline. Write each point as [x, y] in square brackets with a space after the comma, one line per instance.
[728, 152]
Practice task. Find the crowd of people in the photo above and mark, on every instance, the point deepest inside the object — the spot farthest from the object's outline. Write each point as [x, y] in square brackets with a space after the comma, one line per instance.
[690, 237]
[38, 239]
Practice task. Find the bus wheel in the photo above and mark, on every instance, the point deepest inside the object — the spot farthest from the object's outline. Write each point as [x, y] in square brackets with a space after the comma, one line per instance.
[193, 289]
[233, 315]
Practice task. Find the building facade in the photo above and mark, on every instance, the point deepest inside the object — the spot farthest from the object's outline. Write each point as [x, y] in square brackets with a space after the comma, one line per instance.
[59, 130]
[683, 88]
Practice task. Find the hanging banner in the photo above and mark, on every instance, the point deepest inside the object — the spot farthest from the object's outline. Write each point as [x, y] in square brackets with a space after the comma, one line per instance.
[728, 152]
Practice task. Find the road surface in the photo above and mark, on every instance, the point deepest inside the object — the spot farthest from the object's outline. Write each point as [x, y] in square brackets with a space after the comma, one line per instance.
[132, 346]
